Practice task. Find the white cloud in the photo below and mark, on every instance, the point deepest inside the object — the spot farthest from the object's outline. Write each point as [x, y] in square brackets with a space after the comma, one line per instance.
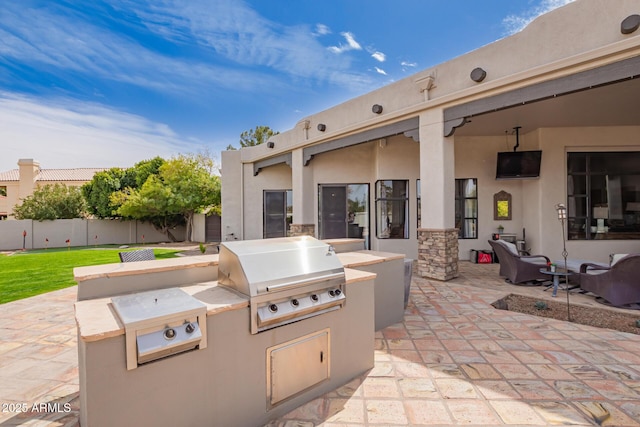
[379, 56]
[380, 71]
[67, 134]
[322, 30]
[230, 28]
[43, 42]
[515, 23]
[352, 44]
[406, 65]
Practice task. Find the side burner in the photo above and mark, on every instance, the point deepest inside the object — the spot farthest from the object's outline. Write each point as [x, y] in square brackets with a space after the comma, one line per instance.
[160, 323]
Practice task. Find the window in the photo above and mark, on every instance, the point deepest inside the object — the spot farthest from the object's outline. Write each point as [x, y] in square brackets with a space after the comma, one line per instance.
[278, 213]
[392, 209]
[467, 208]
[3, 190]
[603, 195]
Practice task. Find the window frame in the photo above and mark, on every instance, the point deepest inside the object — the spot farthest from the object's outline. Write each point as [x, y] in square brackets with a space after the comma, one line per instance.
[418, 205]
[287, 216]
[584, 181]
[460, 211]
[404, 199]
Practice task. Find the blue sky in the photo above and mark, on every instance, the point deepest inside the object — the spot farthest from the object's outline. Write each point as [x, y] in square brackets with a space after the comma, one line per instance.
[109, 83]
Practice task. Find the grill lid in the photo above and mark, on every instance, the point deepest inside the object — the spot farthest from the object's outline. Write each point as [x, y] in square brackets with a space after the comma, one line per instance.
[254, 267]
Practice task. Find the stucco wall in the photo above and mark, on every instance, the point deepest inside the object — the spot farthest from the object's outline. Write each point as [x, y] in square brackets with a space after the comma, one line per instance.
[555, 143]
[476, 158]
[231, 195]
[277, 177]
[512, 61]
[534, 200]
[198, 233]
[398, 158]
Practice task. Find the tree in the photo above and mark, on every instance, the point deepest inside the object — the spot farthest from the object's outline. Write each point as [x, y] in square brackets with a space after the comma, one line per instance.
[250, 138]
[98, 191]
[55, 201]
[184, 186]
[142, 170]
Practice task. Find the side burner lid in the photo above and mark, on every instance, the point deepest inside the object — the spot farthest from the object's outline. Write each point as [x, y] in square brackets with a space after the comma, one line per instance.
[155, 306]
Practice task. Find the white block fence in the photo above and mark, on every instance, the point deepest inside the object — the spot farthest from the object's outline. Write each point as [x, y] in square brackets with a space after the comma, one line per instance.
[79, 232]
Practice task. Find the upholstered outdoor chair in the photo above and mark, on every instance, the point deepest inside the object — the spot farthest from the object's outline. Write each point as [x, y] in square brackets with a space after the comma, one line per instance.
[618, 285]
[139, 255]
[518, 269]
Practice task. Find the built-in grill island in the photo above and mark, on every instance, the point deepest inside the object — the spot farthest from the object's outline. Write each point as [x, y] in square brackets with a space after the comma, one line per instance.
[286, 280]
[281, 324]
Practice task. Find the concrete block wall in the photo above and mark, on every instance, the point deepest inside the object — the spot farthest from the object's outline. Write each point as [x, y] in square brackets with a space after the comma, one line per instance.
[79, 232]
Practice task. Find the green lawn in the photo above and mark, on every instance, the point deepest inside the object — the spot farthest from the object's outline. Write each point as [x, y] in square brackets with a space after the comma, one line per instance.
[30, 273]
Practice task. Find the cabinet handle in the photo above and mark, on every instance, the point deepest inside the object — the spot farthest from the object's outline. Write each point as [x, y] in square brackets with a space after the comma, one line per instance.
[321, 356]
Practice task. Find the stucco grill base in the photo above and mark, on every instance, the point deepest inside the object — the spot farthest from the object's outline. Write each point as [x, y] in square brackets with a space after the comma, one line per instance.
[224, 384]
[438, 253]
[302, 230]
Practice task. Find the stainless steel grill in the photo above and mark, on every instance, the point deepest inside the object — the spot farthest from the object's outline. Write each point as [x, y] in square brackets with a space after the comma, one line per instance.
[160, 323]
[286, 279]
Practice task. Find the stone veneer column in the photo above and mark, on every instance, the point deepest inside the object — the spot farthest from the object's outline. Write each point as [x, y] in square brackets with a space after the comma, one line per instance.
[438, 253]
[302, 230]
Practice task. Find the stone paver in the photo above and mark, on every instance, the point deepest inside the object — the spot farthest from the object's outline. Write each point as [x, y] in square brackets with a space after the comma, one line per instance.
[455, 360]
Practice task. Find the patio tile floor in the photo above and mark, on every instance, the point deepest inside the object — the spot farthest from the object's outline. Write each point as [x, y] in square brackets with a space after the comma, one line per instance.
[455, 360]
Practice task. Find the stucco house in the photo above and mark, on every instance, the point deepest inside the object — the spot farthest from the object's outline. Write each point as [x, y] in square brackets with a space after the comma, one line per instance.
[17, 184]
[431, 165]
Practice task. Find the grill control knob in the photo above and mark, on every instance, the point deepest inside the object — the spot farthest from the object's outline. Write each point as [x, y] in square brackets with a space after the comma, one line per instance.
[295, 302]
[169, 334]
[314, 298]
[189, 328]
[273, 308]
[332, 293]
[338, 292]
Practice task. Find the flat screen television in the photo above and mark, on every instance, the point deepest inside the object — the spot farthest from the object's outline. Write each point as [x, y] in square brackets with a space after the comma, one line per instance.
[518, 164]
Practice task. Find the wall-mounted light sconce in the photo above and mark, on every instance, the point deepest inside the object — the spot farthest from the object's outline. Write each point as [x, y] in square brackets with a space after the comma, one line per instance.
[478, 74]
[322, 127]
[377, 108]
[630, 24]
[271, 144]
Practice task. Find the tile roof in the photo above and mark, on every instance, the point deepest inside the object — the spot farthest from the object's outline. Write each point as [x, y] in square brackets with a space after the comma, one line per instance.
[12, 175]
[79, 174]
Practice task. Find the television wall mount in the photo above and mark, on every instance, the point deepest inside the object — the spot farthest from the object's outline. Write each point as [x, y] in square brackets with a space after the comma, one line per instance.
[517, 129]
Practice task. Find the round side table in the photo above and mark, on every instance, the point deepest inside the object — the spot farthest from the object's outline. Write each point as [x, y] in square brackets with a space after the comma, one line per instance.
[556, 278]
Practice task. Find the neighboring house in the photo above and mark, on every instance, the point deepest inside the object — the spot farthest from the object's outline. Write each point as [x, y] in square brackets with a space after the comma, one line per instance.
[412, 167]
[20, 183]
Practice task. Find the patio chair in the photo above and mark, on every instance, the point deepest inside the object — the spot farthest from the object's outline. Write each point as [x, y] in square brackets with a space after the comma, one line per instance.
[139, 255]
[519, 269]
[617, 285]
